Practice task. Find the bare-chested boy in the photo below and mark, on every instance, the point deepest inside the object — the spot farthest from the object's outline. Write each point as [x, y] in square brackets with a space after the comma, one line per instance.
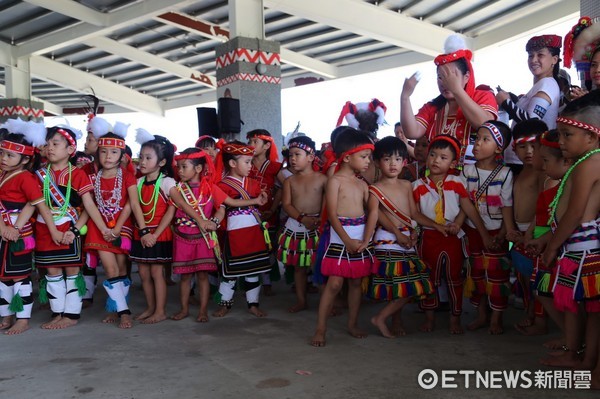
[302, 201]
[575, 215]
[526, 187]
[348, 256]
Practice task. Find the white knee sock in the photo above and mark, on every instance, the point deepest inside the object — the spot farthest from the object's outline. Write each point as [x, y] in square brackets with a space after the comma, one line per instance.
[252, 290]
[24, 290]
[266, 278]
[116, 301]
[57, 291]
[6, 296]
[72, 299]
[226, 291]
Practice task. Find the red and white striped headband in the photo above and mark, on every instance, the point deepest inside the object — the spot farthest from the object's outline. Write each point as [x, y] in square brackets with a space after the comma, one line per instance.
[493, 129]
[524, 139]
[67, 137]
[578, 124]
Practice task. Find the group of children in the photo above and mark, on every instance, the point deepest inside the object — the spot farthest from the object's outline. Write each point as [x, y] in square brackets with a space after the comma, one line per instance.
[212, 213]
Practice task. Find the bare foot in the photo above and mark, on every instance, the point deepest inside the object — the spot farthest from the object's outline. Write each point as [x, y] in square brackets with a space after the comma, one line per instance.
[297, 308]
[357, 332]
[48, 325]
[221, 312]
[428, 326]
[455, 326]
[63, 323]
[557, 343]
[476, 324]
[567, 360]
[21, 325]
[110, 318]
[534, 329]
[7, 321]
[335, 311]
[496, 329]
[202, 318]
[268, 290]
[526, 322]
[318, 340]
[380, 323]
[126, 321]
[256, 311]
[180, 316]
[144, 315]
[155, 318]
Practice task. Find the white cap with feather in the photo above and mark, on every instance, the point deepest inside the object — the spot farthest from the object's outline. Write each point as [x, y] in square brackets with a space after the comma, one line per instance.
[143, 136]
[33, 132]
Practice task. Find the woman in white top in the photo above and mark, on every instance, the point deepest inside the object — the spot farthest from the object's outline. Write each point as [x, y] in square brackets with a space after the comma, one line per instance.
[543, 99]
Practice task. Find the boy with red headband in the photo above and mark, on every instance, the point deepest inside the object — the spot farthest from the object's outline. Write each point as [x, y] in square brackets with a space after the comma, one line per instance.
[349, 255]
[528, 183]
[575, 218]
[489, 184]
[441, 196]
[266, 169]
[67, 191]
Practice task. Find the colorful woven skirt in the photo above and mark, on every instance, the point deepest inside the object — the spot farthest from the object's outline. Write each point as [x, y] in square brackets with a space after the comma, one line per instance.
[297, 245]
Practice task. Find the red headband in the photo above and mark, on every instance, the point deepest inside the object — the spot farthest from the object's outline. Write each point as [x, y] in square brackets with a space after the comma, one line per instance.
[448, 139]
[273, 154]
[111, 143]
[23, 149]
[579, 124]
[443, 59]
[232, 149]
[493, 129]
[524, 139]
[545, 142]
[353, 151]
[209, 167]
[67, 137]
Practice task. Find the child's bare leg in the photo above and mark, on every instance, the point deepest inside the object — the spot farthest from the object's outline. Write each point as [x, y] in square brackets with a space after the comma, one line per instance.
[496, 323]
[157, 271]
[392, 308]
[146, 277]
[300, 282]
[592, 330]
[429, 324]
[568, 357]
[527, 298]
[397, 326]
[184, 296]
[481, 319]
[354, 299]
[204, 288]
[330, 291]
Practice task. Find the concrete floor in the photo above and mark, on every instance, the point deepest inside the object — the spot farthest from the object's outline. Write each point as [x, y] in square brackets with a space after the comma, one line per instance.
[241, 356]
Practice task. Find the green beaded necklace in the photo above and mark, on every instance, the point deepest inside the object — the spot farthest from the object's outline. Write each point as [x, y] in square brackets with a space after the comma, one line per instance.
[57, 213]
[559, 192]
[153, 200]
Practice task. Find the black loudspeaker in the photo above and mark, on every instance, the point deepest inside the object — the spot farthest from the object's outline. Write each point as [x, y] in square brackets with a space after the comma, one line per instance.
[229, 115]
[207, 122]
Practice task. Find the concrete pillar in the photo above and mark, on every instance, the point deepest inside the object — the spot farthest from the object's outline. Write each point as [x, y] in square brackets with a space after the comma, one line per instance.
[17, 103]
[250, 67]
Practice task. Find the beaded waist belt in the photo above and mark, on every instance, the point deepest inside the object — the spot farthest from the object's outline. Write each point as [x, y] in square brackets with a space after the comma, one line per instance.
[353, 221]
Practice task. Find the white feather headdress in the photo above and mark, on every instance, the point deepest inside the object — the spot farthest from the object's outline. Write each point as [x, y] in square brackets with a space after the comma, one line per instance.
[120, 129]
[99, 127]
[34, 132]
[78, 133]
[143, 136]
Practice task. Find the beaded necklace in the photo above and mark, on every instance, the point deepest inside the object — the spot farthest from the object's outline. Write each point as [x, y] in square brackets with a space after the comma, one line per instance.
[60, 212]
[559, 192]
[153, 199]
[111, 206]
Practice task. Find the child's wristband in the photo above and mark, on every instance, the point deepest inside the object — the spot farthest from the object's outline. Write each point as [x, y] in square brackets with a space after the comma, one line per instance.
[75, 231]
[144, 231]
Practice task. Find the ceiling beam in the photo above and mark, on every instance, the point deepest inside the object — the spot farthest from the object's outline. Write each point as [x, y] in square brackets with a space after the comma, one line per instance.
[560, 12]
[74, 10]
[375, 22]
[151, 60]
[49, 107]
[216, 32]
[82, 82]
[190, 101]
[138, 12]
